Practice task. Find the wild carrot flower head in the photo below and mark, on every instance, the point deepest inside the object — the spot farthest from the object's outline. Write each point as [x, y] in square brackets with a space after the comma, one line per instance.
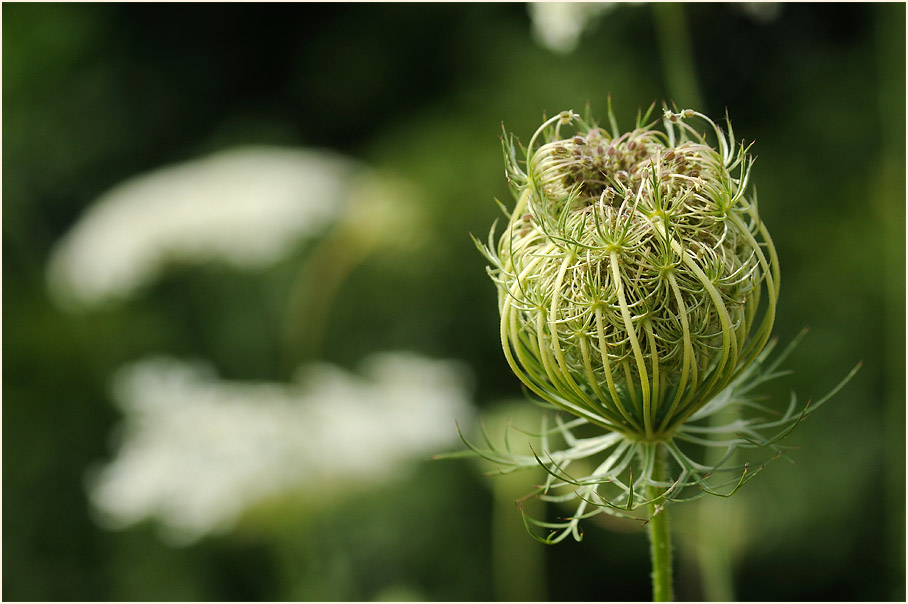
[637, 288]
[635, 277]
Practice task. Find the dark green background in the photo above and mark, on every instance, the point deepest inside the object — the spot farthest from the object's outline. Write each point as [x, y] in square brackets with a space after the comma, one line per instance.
[94, 94]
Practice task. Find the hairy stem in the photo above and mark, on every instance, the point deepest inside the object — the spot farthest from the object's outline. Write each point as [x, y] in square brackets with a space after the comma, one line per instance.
[659, 534]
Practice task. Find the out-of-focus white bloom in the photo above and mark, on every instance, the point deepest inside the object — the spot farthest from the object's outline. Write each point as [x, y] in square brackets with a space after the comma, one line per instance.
[196, 451]
[245, 207]
[558, 25]
[761, 12]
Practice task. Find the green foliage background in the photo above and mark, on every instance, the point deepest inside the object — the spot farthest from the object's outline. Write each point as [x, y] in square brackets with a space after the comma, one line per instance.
[94, 94]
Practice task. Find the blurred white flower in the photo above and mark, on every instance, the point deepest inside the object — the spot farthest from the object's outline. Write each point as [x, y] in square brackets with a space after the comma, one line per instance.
[761, 12]
[246, 207]
[559, 25]
[197, 451]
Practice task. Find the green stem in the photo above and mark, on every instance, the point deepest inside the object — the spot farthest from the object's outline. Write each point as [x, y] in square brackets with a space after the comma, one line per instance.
[890, 213]
[715, 550]
[659, 535]
[678, 62]
[314, 292]
[518, 567]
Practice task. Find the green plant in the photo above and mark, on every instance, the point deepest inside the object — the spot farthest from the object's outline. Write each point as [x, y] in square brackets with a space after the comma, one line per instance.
[637, 289]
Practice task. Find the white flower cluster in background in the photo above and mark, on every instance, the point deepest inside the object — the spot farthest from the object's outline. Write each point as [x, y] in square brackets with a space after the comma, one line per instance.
[245, 207]
[761, 12]
[196, 451]
[559, 25]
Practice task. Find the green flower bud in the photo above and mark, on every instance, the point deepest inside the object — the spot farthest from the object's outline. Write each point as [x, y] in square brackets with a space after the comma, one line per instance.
[636, 280]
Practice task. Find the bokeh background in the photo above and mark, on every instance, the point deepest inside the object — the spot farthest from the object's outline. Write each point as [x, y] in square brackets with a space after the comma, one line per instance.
[158, 440]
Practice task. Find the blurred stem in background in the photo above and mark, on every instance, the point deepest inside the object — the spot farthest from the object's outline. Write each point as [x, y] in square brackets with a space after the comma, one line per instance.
[715, 522]
[710, 536]
[889, 194]
[385, 215]
[320, 278]
[678, 63]
[518, 563]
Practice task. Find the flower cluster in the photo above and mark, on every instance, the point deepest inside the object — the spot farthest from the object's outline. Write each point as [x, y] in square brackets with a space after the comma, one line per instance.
[631, 272]
[637, 289]
[198, 452]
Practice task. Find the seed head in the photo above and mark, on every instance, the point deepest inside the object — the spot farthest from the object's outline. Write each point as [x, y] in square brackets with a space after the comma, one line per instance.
[635, 277]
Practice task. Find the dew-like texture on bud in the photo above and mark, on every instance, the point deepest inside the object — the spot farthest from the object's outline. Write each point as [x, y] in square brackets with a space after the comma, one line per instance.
[636, 279]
